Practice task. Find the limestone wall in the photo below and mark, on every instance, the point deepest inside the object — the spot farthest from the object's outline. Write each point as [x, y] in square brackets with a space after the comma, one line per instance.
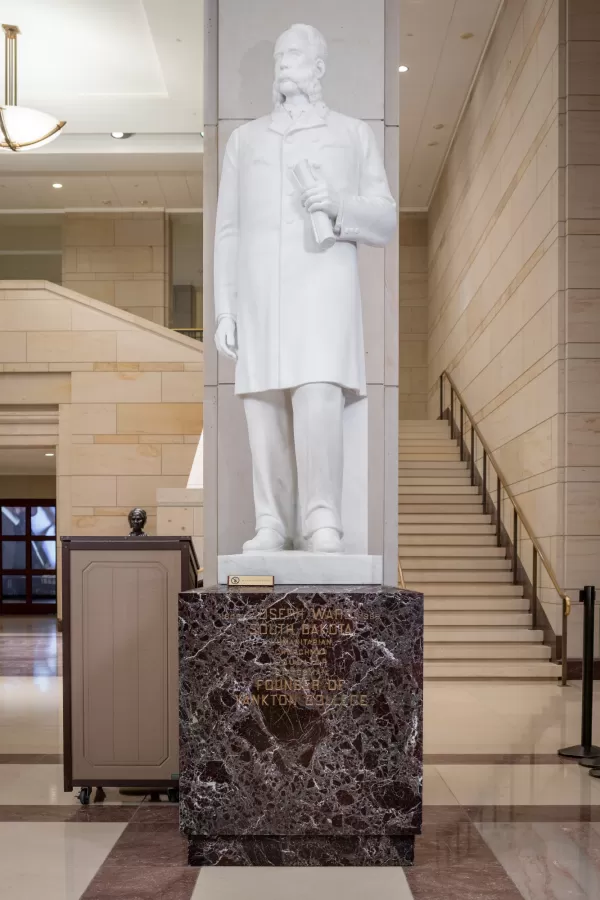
[128, 395]
[413, 316]
[496, 318]
[582, 299]
[119, 258]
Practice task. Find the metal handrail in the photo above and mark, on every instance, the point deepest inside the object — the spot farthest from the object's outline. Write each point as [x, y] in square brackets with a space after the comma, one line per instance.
[538, 552]
[401, 580]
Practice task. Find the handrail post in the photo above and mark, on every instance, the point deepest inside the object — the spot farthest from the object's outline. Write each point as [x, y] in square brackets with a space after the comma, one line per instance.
[534, 588]
[484, 480]
[563, 646]
[515, 539]
[442, 396]
[472, 456]
[499, 512]
[462, 431]
[452, 412]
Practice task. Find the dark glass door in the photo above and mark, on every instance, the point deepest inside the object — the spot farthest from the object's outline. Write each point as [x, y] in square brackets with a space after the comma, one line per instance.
[28, 557]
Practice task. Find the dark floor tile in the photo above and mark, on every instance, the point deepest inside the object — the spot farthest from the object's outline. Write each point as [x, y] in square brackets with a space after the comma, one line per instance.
[463, 881]
[142, 883]
[533, 813]
[498, 759]
[94, 813]
[453, 862]
[149, 845]
[30, 759]
[157, 814]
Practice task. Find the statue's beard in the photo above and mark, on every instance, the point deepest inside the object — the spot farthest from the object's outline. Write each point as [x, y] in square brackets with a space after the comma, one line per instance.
[311, 88]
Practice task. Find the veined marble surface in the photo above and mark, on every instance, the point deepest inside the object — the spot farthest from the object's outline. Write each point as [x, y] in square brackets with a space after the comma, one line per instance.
[301, 712]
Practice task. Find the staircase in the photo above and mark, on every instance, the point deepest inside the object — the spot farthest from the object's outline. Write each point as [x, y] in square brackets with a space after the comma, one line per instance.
[477, 623]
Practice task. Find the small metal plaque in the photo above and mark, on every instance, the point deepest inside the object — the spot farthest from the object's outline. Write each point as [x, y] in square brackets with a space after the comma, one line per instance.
[250, 581]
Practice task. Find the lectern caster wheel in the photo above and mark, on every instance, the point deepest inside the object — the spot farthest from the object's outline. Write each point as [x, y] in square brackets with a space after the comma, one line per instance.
[173, 795]
[84, 795]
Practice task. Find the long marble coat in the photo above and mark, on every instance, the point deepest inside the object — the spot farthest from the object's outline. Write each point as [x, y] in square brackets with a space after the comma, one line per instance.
[298, 308]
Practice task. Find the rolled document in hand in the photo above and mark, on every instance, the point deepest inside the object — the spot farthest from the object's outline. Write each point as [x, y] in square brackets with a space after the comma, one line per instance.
[321, 223]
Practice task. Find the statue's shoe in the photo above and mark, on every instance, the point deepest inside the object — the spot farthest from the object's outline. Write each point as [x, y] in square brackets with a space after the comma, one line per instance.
[326, 540]
[267, 540]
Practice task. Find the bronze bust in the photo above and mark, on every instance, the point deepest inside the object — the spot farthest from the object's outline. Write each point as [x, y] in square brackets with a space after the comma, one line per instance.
[137, 519]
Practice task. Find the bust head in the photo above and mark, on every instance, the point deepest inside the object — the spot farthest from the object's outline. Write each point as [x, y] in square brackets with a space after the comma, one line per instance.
[137, 519]
[300, 63]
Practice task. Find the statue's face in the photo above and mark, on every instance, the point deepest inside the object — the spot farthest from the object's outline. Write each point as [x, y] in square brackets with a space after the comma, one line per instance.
[295, 64]
[137, 520]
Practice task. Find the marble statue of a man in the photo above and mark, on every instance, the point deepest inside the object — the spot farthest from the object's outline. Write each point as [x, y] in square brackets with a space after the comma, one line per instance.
[287, 310]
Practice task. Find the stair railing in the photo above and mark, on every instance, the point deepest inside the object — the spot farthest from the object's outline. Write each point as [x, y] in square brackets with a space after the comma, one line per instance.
[468, 453]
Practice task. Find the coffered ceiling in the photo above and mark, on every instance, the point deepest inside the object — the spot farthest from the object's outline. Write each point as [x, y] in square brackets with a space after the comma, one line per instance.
[136, 66]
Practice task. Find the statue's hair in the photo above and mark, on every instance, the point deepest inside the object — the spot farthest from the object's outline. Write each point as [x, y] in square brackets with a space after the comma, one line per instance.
[315, 40]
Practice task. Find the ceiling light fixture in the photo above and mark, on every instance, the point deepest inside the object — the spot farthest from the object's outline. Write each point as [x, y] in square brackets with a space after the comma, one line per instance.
[21, 128]
[57, 186]
[48, 454]
[466, 35]
[121, 135]
[403, 68]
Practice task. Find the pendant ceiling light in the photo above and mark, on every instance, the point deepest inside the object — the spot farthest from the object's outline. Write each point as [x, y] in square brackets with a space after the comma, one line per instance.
[21, 128]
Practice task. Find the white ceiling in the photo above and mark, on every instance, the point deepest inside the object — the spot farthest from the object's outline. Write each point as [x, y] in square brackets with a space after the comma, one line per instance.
[441, 69]
[112, 65]
[27, 461]
[136, 66]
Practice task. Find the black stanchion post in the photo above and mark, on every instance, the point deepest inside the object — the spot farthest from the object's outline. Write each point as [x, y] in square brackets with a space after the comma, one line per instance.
[586, 751]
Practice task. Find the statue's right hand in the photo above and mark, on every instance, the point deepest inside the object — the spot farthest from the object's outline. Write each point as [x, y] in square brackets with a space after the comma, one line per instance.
[226, 338]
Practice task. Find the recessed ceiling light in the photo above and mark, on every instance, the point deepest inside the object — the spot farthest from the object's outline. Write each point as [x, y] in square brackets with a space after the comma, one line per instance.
[433, 144]
[466, 35]
[121, 135]
[57, 186]
[403, 68]
[438, 127]
[49, 454]
[143, 202]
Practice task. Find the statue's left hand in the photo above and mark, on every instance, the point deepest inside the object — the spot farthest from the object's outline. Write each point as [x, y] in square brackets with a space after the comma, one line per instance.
[320, 197]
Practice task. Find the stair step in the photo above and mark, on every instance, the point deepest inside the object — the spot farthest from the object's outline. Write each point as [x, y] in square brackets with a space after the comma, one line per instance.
[435, 442]
[437, 550]
[424, 423]
[469, 619]
[481, 634]
[436, 497]
[412, 466]
[477, 604]
[437, 590]
[450, 576]
[483, 537]
[468, 565]
[433, 481]
[481, 669]
[428, 456]
[487, 650]
[454, 491]
[422, 517]
[471, 529]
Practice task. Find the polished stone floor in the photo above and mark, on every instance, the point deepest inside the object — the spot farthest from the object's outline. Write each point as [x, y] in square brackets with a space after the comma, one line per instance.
[504, 818]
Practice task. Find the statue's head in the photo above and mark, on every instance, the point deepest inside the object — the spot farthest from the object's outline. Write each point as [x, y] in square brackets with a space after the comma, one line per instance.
[300, 63]
[137, 519]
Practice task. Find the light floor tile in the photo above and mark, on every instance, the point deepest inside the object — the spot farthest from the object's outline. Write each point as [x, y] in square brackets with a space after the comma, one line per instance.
[233, 883]
[42, 785]
[521, 785]
[435, 790]
[487, 717]
[53, 861]
[547, 861]
[31, 714]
